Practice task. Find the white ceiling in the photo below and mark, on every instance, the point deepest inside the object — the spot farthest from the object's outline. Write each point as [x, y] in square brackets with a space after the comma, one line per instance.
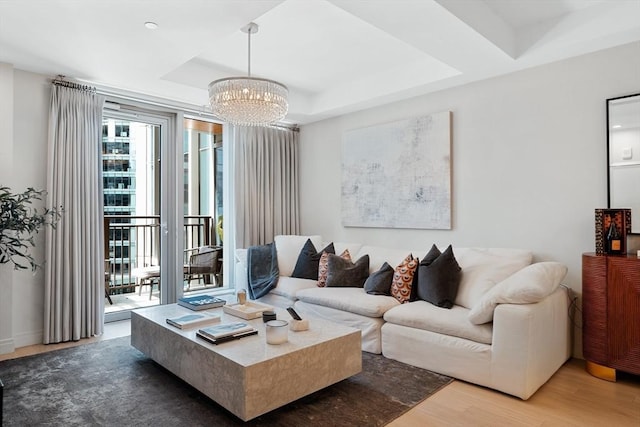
[336, 56]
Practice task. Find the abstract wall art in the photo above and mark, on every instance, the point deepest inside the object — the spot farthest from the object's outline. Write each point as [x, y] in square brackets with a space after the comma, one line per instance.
[398, 175]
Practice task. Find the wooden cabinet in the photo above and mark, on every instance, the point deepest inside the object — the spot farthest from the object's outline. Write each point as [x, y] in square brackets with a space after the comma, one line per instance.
[611, 314]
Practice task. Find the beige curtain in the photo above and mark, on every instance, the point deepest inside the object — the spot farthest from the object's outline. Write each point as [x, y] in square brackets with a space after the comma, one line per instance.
[74, 272]
[266, 184]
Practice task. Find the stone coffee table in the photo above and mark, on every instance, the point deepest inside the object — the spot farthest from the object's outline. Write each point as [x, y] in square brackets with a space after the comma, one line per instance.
[249, 377]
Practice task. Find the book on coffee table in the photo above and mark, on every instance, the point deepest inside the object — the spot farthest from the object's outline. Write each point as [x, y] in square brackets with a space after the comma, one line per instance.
[201, 302]
[225, 330]
[227, 338]
[193, 320]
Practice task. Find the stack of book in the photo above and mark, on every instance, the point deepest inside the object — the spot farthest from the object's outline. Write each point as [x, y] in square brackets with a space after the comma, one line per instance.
[226, 332]
[201, 302]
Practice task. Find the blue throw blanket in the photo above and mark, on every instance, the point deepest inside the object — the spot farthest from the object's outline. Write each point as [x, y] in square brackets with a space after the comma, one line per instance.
[263, 269]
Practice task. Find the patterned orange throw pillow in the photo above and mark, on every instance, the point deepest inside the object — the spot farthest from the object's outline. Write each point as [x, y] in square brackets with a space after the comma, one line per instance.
[403, 278]
[322, 266]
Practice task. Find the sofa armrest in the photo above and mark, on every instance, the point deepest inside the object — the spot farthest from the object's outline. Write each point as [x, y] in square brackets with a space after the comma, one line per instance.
[241, 270]
[530, 342]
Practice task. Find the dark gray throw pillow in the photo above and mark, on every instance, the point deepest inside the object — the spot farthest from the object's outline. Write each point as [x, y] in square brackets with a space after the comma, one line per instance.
[343, 273]
[379, 282]
[439, 278]
[308, 260]
[431, 256]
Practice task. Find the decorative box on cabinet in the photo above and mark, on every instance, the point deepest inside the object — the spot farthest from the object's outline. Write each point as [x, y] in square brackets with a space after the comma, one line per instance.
[611, 314]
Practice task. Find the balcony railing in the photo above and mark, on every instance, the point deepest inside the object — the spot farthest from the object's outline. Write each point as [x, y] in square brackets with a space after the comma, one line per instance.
[132, 244]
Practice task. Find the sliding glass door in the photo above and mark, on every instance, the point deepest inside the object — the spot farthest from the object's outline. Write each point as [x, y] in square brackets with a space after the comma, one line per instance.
[140, 219]
[202, 204]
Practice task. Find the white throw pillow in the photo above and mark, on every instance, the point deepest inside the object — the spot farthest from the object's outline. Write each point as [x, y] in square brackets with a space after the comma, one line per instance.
[527, 286]
[482, 269]
[289, 247]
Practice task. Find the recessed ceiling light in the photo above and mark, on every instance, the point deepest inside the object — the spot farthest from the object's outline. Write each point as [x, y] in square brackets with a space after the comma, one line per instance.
[616, 126]
[150, 25]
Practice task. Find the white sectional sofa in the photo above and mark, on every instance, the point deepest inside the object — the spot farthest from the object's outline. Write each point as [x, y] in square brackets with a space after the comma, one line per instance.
[509, 328]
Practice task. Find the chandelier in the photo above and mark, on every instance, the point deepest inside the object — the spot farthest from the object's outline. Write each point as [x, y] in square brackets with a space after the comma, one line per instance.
[248, 101]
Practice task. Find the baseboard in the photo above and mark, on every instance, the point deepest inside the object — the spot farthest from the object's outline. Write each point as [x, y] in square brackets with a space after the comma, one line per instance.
[7, 346]
[28, 338]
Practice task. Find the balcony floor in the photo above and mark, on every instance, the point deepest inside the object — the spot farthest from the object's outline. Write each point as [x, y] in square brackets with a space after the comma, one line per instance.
[132, 300]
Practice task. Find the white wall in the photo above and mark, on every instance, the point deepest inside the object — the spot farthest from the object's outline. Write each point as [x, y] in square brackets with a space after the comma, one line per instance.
[31, 121]
[23, 164]
[7, 344]
[529, 160]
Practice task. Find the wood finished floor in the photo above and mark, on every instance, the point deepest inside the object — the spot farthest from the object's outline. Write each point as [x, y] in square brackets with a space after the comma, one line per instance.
[571, 397]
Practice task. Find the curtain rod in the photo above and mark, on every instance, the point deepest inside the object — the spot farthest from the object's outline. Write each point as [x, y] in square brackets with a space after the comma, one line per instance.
[60, 81]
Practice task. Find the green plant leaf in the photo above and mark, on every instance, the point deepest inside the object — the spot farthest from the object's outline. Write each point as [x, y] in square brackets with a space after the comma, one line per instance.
[19, 222]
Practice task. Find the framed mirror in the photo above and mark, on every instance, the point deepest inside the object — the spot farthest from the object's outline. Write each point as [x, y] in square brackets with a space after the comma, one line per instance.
[623, 155]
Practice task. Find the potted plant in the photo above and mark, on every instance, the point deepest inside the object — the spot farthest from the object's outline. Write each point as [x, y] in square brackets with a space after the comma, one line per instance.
[19, 222]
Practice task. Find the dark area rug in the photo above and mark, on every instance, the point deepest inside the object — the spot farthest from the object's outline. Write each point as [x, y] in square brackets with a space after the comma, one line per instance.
[110, 383]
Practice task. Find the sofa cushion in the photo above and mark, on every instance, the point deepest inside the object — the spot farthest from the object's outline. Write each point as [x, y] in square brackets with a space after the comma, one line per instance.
[438, 278]
[289, 286]
[352, 300]
[308, 261]
[428, 317]
[529, 285]
[344, 273]
[323, 266]
[288, 248]
[379, 282]
[403, 279]
[482, 269]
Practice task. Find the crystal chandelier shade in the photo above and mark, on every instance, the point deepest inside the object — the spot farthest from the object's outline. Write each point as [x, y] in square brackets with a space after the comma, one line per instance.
[248, 101]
